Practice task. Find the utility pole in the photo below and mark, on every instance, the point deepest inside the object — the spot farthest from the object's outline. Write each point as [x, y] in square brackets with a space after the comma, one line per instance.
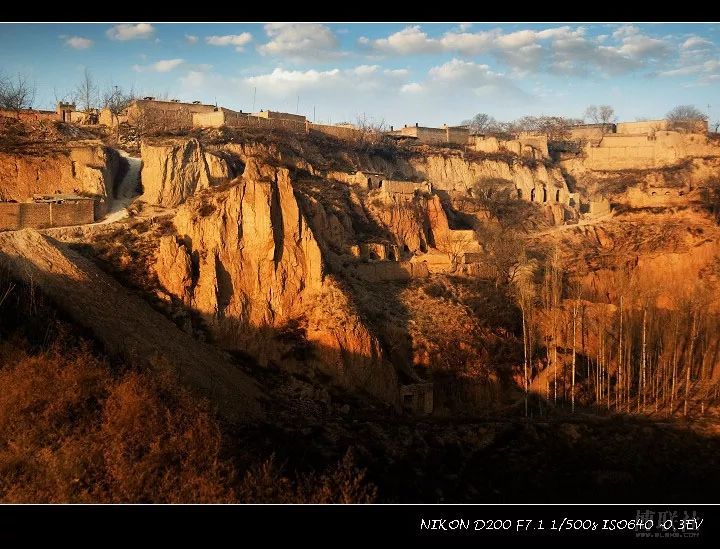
[254, 94]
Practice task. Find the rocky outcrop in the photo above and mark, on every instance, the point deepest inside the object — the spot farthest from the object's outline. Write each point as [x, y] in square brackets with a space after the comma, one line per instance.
[88, 168]
[174, 267]
[258, 280]
[174, 169]
[455, 173]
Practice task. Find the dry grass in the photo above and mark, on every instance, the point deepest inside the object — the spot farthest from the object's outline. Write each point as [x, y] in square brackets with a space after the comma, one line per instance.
[70, 431]
[42, 137]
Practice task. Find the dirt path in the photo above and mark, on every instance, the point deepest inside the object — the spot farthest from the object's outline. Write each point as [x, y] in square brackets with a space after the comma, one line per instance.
[127, 191]
[583, 223]
[126, 325]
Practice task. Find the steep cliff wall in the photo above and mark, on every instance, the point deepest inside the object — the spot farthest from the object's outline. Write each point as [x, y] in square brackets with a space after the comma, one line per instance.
[84, 168]
[455, 173]
[449, 170]
[248, 262]
[174, 169]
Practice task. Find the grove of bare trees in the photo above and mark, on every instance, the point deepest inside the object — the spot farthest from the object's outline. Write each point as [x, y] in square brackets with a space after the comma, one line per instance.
[627, 355]
[16, 93]
[603, 115]
[685, 118]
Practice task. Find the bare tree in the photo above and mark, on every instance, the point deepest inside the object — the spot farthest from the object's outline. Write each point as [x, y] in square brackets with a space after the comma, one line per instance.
[372, 131]
[16, 93]
[602, 114]
[86, 92]
[523, 289]
[505, 253]
[116, 100]
[556, 128]
[481, 123]
[685, 118]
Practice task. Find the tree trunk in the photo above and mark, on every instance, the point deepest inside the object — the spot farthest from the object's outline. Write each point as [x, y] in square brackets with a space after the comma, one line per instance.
[525, 357]
[572, 387]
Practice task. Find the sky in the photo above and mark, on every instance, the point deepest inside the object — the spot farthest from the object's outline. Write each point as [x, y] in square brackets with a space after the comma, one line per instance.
[396, 73]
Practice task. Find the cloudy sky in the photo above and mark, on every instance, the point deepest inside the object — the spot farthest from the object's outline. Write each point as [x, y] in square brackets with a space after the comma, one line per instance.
[399, 73]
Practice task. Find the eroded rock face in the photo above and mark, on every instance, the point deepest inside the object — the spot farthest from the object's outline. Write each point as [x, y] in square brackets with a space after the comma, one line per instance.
[257, 277]
[454, 173]
[174, 169]
[174, 266]
[86, 168]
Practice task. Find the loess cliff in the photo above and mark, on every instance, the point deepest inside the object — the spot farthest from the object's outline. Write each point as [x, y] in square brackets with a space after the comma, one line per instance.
[86, 168]
[246, 259]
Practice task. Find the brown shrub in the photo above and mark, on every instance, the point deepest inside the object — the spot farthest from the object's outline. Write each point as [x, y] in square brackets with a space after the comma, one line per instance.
[344, 483]
[72, 432]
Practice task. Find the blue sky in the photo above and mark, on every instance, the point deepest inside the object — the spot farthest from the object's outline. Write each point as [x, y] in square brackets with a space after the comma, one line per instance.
[399, 73]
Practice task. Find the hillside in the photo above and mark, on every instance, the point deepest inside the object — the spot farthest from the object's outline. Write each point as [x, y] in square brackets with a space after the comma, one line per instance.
[442, 312]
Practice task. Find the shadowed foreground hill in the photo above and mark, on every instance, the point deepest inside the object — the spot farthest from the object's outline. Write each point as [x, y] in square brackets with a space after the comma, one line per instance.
[124, 323]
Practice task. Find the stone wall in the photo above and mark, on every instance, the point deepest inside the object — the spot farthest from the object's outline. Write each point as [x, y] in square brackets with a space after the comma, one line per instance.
[418, 398]
[382, 271]
[431, 135]
[530, 147]
[275, 115]
[642, 127]
[599, 207]
[29, 115]
[623, 151]
[393, 187]
[339, 132]
[591, 132]
[21, 215]
[164, 114]
[655, 197]
[221, 117]
[457, 135]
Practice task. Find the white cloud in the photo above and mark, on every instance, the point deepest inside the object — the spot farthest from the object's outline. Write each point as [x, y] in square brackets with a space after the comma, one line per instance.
[461, 72]
[563, 49]
[411, 87]
[78, 42]
[300, 41]
[410, 40]
[164, 65]
[397, 73]
[696, 43]
[364, 70]
[638, 45]
[462, 79]
[130, 31]
[362, 79]
[237, 40]
[191, 39]
[281, 78]
[193, 79]
[706, 68]
[625, 31]
[468, 43]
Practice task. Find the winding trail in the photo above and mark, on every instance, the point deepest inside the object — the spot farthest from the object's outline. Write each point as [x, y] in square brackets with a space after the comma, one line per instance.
[127, 191]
